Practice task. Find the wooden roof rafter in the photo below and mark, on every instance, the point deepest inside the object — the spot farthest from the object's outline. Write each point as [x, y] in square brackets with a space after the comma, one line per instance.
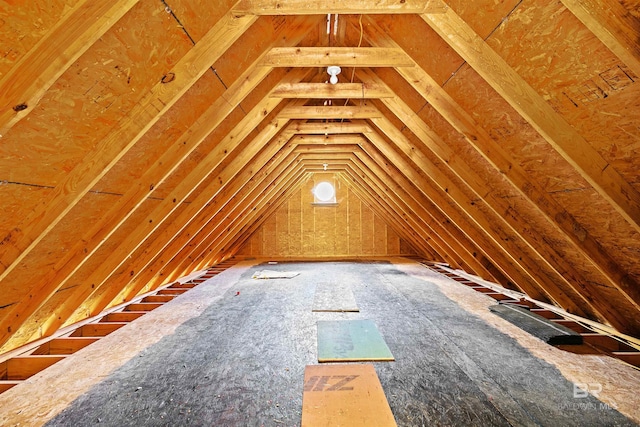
[524, 99]
[397, 141]
[491, 151]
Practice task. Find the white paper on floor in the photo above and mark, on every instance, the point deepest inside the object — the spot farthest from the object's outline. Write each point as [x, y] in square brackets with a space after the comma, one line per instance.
[269, 274]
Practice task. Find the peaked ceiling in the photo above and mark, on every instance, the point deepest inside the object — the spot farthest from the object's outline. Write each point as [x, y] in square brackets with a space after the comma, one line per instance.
[144, 139]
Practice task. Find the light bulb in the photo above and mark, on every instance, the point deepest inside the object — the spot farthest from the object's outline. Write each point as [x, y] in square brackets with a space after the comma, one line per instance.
[333, 71]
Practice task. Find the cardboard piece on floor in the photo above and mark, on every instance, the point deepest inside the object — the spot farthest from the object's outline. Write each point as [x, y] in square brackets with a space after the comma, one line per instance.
[270, 274]
[344, 395]
[334, 297]
[351, 341]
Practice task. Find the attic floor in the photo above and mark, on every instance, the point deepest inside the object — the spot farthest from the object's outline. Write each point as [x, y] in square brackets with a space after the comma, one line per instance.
[216, 357]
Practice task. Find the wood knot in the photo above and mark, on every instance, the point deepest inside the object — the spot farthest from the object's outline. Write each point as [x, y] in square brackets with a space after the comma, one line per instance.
[168, 78]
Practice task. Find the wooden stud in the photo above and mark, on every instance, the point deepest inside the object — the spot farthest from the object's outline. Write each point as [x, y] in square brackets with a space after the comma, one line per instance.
[65, 345]
[122, 316]
[329, 112]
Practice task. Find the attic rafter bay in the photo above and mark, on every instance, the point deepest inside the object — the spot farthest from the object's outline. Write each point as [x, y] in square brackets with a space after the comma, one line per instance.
[49, 212]
[623, 197]
[504, 164]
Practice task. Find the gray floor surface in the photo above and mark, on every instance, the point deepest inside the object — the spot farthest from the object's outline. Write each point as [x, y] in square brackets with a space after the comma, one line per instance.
[241, 362]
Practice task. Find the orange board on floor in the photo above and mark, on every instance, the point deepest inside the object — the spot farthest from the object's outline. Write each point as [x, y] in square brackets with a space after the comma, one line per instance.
[344, 395]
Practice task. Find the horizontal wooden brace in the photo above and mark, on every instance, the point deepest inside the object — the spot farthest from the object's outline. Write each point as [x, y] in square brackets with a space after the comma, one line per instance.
[329, 112]
[330, 91]
[323, 7]
[342, 56]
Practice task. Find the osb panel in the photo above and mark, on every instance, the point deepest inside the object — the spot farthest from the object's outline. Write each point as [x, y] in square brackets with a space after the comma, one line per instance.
[294, 205]
[307, 219]
[109, 248]
[542, 271]
[269, 235]
[93, 95]
[22, 27]
[551, 49]
[579, 76]
[485, 15]
[247, 48]
[327, 230]
[354, 222]
[112, 246]
[187, 166]
[524, 145]
[16, 202]
[342, 218]
[54, 246]
[393, 243]
[196, 17]
[606, 228]
[379, 235]
[471, 157]
[406, 248]
[401, 88]
[413, 35]
[367, 231]
[282, 230]
[632, 7]
[165, 133]
[561, 250]
[282, 36]
[612, 126]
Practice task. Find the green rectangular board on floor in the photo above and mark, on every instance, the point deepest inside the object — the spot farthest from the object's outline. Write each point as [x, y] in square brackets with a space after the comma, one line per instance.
[351, 341]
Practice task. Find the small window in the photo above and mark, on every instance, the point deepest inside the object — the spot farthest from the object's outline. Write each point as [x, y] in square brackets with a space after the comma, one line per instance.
[324, 193]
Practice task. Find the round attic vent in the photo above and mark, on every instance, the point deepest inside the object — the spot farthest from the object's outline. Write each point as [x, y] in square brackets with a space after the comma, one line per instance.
[324, 192]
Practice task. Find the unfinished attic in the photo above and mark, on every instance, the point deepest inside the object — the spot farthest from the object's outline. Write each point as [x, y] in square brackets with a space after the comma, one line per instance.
[167, 257]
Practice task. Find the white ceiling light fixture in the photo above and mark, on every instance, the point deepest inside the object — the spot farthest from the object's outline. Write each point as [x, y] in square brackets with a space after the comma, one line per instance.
[333, 71]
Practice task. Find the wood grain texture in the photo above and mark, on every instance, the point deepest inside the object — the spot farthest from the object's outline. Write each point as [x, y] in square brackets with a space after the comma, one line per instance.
[502, 209]
[55, 52]
[344, 56]
[108, 223]
[614, 25]
[310, 218]
[300, 7]
[329, 91]
[83, 177]
[344, 394]
[571, 145]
